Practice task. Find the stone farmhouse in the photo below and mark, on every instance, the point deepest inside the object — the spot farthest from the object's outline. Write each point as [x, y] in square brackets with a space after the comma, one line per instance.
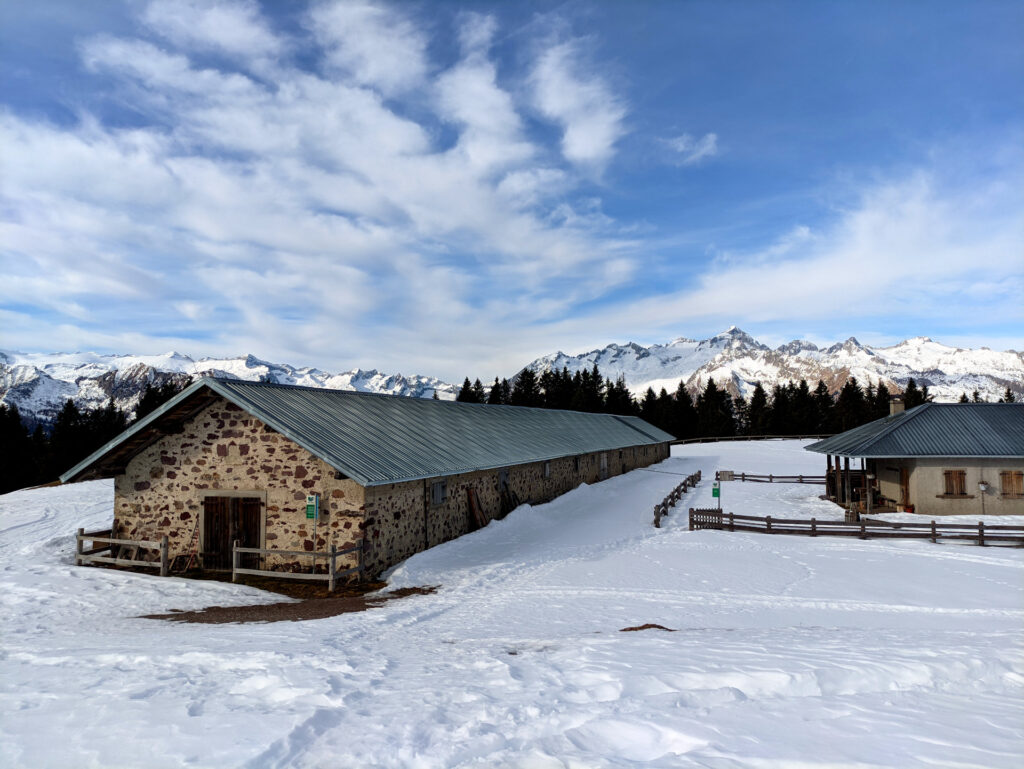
[935, 459]
[229, 460]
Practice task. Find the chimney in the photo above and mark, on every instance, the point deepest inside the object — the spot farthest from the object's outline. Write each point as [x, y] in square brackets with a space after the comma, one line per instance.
[895, 406]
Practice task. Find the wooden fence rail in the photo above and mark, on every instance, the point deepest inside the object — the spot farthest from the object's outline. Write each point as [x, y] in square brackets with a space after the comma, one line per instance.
[674, 496]
[330, 577]
[102, 542]
[770, 478]
[866, 528]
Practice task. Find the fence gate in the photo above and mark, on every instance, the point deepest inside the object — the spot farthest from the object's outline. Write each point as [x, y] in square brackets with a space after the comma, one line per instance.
[226, 519]
[705, 519]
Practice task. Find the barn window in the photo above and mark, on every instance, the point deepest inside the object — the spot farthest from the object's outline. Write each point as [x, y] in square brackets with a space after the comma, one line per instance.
[438, 492]
[1012, 483]
[547, 469]
[955, 483]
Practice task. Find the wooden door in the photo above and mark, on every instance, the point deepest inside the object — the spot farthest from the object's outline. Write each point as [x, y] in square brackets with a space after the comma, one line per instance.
[226, 519]
[603, 472]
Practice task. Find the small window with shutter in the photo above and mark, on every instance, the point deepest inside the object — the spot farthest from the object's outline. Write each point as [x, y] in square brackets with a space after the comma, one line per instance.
[955, 482]
[1011, 483]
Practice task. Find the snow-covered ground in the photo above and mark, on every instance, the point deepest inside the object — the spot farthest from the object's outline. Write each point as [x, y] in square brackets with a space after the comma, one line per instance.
[788, 651]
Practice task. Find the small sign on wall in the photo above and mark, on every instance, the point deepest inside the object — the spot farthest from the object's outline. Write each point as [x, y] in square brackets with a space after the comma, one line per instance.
[312, 506]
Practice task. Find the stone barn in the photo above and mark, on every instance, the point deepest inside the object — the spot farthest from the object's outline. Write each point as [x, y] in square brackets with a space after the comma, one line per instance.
[228, 459]
[935, 459]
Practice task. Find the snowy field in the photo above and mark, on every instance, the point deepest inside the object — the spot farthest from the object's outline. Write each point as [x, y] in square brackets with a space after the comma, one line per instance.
[787, 651]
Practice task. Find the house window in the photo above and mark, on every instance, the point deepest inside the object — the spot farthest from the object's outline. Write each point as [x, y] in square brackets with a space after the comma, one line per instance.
[1011, 483]
[438, 492]
[955, 483]
[547, 469]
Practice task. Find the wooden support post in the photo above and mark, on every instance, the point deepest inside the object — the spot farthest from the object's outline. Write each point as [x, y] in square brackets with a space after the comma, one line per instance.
[332, 568]
[981, 533]
[79, 546]
[691, 519]
[770, 478]
[934, 538]
[234, 561]
[814, 527]
[164, 549]
[732, 523]
[768, 524]
[863, 530]
[847, 495]
[657, 517]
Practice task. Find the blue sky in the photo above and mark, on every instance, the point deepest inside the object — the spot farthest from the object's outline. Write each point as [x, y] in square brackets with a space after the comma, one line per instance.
[458, 188]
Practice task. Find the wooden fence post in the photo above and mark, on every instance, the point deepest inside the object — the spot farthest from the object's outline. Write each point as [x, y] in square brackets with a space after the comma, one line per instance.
[768, 524]
[657, 516]
[981, 533]
[863, 529]
[934, 538]
[770, 478]
[332, 568]
[234, 561]
[164, 549]
[79, 547]
[691, 519]
[814, 527]
[732, 523]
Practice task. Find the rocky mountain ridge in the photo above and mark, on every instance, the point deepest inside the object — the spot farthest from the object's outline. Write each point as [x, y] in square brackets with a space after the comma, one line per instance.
[737, 360]
[38, 384]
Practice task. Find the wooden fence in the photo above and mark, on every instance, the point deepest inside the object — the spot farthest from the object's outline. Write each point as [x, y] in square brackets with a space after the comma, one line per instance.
[770, 478]
[330, 577]
[102, 550]
[674, 496]
[866, 528]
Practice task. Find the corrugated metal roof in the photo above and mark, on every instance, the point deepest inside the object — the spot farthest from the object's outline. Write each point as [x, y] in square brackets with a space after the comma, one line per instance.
[936, 430]
[377, 439]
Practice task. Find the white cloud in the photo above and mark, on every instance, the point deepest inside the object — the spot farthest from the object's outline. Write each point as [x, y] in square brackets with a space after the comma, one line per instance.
[690, 151]
[377, 46]
[590, 113]
[234, 27]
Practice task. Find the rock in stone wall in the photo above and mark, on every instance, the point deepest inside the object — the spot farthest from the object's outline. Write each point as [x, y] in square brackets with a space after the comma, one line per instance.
[223, 451]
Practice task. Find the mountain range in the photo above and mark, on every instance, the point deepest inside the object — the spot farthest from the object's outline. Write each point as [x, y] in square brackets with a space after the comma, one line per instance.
[38, 384]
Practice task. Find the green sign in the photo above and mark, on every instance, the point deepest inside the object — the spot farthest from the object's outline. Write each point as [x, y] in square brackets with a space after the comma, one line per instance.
[715, 491]
[312, 506]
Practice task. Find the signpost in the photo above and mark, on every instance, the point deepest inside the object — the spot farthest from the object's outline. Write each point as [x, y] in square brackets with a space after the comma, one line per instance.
[313, 513]
[716, 493]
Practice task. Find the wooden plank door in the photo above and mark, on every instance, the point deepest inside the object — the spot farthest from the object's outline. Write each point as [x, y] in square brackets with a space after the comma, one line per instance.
[216, 533]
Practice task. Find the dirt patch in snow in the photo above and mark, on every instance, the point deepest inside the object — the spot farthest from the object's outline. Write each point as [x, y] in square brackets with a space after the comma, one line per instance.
[648, 626]
[292, 611]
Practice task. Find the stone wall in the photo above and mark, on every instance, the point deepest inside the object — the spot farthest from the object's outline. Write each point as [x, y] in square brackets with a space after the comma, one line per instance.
[927, 487]
[400, 521]
[223, 451]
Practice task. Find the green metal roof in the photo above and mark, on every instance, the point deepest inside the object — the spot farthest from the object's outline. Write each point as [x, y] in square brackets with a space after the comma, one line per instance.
[378, 439]
[993, 430]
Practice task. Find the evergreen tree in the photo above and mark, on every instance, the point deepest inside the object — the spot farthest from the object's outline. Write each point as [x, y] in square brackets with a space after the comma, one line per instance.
[882, 399]
[466, 394]
[526, 391]
[913, 397]
[479, 396]
[976, 397]
[804, 412]
[741, 415]
[153, 397]
[851, 407]
[714, 412]
[964, 398]
[494, 396]
[825, 409]
[506, 392]
[758, 412]
[1007, 397]
[17, 465]
[648, 407]
[781, 418]
[684, 414]
[618, 399]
